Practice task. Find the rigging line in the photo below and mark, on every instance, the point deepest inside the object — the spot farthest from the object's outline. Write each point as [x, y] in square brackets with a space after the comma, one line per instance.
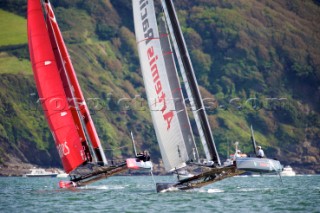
[278, 173]
[146, 39]
[180, 110]
[281, 178]
[199, 109]
[121, 147]
[154, 182]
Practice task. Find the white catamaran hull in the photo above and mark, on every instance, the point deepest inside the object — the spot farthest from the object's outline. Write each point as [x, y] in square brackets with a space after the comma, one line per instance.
[139, 165]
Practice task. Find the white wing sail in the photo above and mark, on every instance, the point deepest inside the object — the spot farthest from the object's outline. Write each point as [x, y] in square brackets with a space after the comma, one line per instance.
[176, 91]
[160, 88]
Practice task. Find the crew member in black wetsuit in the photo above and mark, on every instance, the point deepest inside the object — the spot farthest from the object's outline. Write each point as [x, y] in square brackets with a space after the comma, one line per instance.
[144, 156]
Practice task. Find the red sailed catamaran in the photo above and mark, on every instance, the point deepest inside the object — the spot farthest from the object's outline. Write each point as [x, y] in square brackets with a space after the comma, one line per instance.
[63, 103]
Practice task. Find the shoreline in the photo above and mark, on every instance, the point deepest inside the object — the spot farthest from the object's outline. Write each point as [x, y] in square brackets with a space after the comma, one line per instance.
[18, 169]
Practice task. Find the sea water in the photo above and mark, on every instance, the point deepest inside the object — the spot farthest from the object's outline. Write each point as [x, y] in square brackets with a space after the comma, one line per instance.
[138, 194]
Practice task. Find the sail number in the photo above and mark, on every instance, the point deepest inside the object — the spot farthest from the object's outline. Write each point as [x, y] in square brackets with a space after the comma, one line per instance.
[63, 149]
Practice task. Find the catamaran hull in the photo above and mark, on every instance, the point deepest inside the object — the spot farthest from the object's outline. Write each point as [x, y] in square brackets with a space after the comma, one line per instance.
[261, 165]
[197, 181]
[51, 175]
[82, 177]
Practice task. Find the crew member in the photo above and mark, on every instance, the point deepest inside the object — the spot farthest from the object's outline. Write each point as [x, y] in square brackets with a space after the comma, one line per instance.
[237, 154]
[144, 156]
[140, 156]
[260, 153]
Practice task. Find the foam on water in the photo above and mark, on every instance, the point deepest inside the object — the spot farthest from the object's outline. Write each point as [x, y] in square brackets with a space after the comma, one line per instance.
[215, 190]
[103, 187]
[170, 189]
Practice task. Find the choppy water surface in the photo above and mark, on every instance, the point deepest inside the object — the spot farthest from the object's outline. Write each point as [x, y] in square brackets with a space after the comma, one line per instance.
[137, 194]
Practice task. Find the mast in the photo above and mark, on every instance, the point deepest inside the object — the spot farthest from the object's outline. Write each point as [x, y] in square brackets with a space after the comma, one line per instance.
[198, 107]
[134, 145]
[253, 140]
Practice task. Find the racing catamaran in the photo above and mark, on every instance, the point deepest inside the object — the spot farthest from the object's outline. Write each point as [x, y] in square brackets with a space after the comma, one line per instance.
[65, 109]
[166, 99]
[160, 45]
[257, 163]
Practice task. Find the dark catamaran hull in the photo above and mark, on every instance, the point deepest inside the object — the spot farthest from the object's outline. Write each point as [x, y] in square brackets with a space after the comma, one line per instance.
[252, 164]
[92, 172]
[200, 180]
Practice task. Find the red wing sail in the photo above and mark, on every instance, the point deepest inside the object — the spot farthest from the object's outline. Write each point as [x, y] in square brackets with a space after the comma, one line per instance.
[51, 90]
[77, 102]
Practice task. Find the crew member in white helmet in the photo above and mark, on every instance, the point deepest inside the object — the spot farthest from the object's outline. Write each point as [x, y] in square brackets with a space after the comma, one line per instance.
[260, 153]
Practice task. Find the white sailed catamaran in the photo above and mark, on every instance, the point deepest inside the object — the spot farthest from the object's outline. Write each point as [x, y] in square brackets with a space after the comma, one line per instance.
[64, 106]
[166, 100]
[160, 45]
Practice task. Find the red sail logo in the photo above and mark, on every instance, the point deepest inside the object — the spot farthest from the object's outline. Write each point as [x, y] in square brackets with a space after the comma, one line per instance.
[63, 149]
[152, 57]
[167, 114]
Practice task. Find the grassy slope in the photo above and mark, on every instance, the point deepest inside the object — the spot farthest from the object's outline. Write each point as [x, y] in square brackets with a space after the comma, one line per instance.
[13, 65]
[23, 130]
[13, 33]
[13, 29]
